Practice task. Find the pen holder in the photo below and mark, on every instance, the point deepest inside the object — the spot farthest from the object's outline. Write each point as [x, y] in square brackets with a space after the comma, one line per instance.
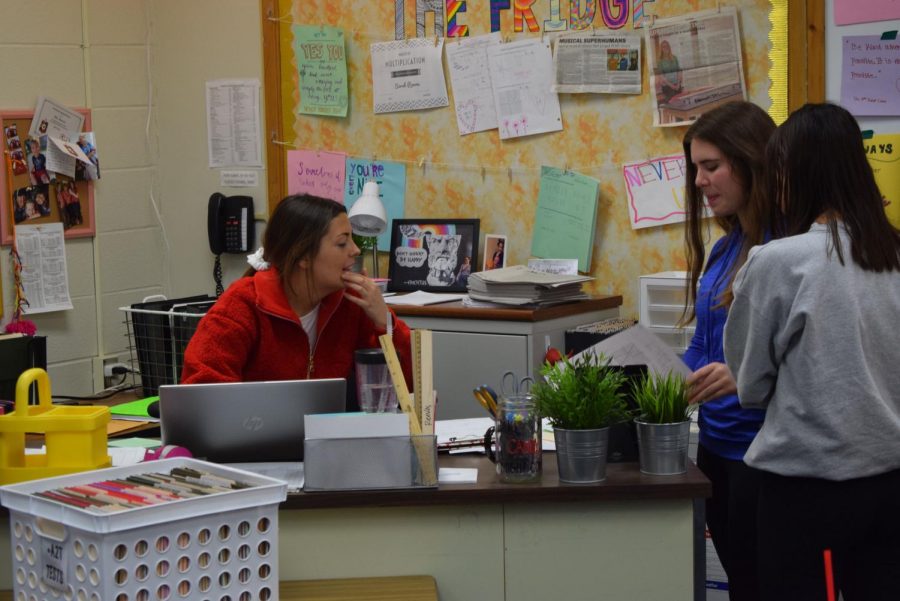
[514, 442]
[75, 437]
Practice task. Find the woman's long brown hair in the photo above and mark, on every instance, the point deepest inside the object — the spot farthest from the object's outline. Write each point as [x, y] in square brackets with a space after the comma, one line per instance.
[740, 130]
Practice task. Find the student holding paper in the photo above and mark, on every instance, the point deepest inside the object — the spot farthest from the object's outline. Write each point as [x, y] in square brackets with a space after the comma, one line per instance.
[811, 337]
[300, 311]
[725, 150]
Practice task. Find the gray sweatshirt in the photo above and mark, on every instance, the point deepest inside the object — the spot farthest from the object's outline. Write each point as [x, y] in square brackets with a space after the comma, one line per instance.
[817, 343]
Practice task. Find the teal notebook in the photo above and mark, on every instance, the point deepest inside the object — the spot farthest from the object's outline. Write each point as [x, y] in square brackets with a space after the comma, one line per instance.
[566, 217]
[134, 409]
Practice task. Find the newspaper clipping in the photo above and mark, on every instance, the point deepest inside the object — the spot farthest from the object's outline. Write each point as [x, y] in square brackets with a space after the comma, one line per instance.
[695, 65]
[598, 63]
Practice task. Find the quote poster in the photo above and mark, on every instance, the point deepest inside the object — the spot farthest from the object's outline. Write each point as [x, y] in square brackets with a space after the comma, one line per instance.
[316, 172]
[391, 179]
[322, 67]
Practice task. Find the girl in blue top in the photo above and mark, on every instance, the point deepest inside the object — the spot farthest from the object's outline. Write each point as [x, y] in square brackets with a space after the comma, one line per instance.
[725, 154]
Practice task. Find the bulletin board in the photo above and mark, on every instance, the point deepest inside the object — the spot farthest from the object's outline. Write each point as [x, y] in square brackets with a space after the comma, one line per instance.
[81, 223]
[497, 181]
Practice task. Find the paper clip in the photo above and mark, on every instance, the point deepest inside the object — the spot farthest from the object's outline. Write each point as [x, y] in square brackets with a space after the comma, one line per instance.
[509, 173]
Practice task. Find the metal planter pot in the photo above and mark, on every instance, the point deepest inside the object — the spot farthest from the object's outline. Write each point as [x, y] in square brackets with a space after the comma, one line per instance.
[663, 448]
[581, 455]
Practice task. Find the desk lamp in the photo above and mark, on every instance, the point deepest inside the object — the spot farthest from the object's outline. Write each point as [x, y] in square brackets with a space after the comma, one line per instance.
[368, 218]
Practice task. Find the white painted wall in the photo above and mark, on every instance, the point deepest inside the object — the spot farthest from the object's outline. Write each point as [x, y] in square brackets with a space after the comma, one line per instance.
[141, 67]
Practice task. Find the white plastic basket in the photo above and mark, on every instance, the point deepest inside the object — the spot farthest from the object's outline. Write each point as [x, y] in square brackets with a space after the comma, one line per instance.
[219, 547]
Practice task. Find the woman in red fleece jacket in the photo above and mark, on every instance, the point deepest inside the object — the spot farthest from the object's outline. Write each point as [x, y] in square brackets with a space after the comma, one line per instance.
[299, 312]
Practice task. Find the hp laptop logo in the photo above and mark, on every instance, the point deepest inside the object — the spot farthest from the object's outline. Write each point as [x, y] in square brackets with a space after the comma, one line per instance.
[253, 423]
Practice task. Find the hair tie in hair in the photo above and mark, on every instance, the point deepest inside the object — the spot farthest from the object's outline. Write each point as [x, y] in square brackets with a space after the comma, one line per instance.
[256, 260]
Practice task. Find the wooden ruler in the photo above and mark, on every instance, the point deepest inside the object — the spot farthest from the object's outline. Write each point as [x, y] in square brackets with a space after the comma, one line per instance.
[423, 378]
[424, 445]
[396, 371]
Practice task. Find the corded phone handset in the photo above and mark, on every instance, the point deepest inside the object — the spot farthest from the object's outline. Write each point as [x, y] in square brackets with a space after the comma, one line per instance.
[231, 228]
[230, 224]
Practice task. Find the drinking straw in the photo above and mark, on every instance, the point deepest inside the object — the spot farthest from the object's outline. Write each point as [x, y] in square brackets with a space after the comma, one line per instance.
[829, 575]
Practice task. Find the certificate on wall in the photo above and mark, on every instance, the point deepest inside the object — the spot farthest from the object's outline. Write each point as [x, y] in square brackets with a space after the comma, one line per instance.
[522, 75]
[407, 75]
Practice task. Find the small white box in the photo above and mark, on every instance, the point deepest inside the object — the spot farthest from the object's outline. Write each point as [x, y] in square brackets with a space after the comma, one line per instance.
[216, 546]
[662, 302]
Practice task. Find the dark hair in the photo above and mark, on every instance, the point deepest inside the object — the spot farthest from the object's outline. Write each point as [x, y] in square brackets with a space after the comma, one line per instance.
[740, 130]
[295, 231]
[818, 168]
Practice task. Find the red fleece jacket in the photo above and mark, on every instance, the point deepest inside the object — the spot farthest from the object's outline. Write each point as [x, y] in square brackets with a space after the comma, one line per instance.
[252, 334]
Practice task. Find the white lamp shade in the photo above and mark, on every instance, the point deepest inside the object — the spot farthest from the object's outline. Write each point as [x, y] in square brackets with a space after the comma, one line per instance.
[367, 215]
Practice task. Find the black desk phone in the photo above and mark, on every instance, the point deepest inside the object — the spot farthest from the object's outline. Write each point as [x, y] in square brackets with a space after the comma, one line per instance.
[230, 222]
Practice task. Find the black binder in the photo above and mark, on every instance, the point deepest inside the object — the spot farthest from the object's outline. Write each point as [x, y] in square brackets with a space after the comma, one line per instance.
[17, 354]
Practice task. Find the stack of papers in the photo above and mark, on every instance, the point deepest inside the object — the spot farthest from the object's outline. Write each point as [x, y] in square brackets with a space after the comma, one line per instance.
[517, 285]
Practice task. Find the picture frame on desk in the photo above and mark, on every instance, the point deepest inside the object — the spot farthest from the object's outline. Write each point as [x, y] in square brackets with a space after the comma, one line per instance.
[494, 251]
[435, 255]
[76, 212]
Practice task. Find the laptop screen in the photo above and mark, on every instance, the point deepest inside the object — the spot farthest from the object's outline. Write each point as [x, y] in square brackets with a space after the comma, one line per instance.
[245, 421]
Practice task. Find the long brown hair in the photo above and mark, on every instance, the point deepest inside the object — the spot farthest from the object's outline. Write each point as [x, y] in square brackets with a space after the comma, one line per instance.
[740, 130]
[817, 166]
[295, 231]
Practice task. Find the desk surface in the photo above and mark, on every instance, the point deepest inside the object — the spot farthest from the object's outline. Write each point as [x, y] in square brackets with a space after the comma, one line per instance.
[624, 481]
[457, 310]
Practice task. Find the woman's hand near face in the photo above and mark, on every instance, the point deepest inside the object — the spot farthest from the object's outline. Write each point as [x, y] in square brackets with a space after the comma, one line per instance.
[364, 292]
[711, 382]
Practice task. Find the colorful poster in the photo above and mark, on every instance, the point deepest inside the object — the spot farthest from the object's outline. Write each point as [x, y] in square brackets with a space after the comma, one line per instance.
[566, 216]
[322, 66]
[316, 172]
[391, 178]
[655, 191]
[870, 75]
[883, 152]
[853, 11]
[407, 75]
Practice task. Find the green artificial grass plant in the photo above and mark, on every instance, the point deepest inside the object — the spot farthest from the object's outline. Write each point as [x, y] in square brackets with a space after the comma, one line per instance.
[662, 399]
[582, 394]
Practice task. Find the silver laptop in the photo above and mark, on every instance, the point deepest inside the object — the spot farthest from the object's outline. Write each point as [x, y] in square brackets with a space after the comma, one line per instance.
[245, 421]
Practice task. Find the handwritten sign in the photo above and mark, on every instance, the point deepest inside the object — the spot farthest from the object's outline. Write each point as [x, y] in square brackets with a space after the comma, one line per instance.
[655, 191]
[316, 172]
[391, 178]
[870, 75]
[322, 66]
[883, 152]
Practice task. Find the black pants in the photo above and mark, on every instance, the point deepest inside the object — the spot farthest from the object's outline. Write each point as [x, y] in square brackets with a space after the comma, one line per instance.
[859, 520]
[731, 518]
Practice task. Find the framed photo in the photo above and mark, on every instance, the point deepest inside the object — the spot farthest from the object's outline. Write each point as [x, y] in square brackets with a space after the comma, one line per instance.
[30, 193]
[494, 251]
[435, 255]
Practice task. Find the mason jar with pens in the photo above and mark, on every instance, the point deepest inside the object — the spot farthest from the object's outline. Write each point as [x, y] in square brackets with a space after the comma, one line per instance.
[513, 443]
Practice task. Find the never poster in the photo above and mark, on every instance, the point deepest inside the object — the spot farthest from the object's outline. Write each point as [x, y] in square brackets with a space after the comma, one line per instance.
[655, 191]
[600, 63]
[407, 75]
[695, 65]
[322, 67]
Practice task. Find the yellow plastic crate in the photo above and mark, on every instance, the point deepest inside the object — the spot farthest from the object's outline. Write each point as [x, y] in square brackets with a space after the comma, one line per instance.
[75, 437]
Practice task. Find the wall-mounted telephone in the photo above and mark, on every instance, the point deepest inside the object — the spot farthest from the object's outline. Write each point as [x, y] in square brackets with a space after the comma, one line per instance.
[230, 223]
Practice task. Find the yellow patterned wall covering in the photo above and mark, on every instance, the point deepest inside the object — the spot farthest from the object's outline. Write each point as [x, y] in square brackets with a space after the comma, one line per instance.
[601, 132]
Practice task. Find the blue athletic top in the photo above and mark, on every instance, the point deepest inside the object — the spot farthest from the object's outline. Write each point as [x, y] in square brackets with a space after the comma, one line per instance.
[725, 428]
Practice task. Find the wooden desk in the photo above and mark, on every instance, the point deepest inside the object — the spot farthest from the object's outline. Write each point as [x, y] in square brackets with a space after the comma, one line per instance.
[497, 542]
[474, 346]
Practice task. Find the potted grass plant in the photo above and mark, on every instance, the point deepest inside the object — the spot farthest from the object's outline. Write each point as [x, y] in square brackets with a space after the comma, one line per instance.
[663, 423]
[582, 398]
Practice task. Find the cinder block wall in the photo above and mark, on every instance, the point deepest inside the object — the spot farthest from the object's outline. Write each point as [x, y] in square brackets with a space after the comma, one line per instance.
[141, 67]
